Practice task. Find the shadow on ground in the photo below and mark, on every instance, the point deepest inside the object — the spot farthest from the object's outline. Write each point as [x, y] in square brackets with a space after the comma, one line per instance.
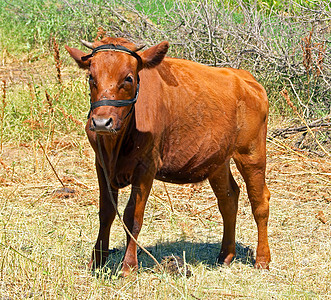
[195, 253]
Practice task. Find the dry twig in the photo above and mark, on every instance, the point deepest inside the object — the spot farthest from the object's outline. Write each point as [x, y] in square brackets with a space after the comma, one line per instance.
[318, 124]
[2, 117]
[4, 165]
[70, 117]
[56, 55]
[169, 199]
[57, 176]
[290, 103]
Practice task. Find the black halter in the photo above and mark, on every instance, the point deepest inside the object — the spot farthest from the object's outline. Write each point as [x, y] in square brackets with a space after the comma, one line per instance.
[111, 47]
[116, 103]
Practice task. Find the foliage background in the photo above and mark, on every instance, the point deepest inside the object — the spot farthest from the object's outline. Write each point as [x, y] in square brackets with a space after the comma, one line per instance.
[283, 43]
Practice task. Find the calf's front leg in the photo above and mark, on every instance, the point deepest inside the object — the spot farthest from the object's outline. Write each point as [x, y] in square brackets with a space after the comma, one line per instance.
[106, 217]
[134, 214]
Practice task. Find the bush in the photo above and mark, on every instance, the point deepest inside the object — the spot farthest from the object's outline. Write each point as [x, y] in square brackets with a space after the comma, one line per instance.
[284, 45]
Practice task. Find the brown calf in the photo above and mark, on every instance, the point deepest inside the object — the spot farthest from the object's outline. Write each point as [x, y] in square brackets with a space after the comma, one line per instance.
[188, 122]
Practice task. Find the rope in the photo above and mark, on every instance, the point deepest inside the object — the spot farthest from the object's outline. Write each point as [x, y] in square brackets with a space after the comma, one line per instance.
[116, 209]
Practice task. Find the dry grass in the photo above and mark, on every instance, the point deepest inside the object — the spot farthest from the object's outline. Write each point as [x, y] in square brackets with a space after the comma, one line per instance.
[46, 239]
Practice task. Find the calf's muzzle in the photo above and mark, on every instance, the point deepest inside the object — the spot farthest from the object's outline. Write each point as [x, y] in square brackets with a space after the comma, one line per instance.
[101, 124]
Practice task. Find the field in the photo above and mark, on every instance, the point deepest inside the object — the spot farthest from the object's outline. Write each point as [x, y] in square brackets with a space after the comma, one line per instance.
[46, 239]
[46, 236]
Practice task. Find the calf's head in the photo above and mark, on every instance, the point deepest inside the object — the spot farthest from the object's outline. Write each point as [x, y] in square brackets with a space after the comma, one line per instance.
[113, 68]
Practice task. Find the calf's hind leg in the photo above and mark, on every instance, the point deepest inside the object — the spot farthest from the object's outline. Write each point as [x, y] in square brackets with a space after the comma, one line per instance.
[252, 167]
[227, 193]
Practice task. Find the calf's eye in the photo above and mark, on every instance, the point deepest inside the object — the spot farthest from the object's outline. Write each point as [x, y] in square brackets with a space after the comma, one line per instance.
[129, 79]
[91, 80]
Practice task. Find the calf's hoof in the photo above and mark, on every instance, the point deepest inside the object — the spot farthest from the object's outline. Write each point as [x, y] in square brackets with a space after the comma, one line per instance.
[225, 258]
[90, 264]
[262, 263]
[97, 262]
[128, 270]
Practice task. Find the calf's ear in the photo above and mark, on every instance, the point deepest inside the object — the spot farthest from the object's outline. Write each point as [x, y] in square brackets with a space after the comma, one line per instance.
[154, 55]
[77, 56]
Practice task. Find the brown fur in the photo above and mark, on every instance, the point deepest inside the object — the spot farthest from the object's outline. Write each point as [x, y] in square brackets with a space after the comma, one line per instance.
[188, 122]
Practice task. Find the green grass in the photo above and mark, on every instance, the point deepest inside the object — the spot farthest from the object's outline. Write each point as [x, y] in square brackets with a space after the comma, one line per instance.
[28, 25]
[29, 115]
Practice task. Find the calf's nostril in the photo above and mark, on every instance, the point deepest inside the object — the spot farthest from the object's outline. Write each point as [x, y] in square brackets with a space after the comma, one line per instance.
[109, 123]
[93, 122]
